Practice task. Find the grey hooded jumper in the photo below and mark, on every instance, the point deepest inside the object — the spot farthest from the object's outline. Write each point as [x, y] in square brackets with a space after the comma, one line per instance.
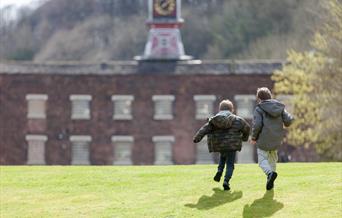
[270, 117]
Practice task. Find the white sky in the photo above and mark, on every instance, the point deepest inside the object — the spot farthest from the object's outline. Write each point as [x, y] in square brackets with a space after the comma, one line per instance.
[11, 8]
[4, 3]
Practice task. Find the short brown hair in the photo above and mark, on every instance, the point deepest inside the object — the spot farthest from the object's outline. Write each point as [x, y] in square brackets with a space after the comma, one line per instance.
[226, 105]
[264, 93]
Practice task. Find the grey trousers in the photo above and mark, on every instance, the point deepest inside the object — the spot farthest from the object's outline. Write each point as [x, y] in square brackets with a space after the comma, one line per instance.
[267, 160]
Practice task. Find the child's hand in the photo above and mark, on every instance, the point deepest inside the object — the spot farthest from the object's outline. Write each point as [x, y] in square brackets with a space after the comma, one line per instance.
[253, 142]
[196, 140]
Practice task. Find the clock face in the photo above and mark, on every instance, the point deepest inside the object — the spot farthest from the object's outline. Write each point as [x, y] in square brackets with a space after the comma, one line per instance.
[164, 7]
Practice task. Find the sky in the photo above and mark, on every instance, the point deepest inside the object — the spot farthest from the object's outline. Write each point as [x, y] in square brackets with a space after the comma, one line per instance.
[4, 3]
[9, 8]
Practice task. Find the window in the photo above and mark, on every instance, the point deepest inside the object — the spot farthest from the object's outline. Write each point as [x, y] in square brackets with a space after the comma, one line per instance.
[204, 106]
[122, 150]
[122, 107]
[163, 107]
[245, 105]
[80, 154]
[36, 106]
[202, 153]
[163, 149]
[246, 155]
[80, 106]
[36, 149]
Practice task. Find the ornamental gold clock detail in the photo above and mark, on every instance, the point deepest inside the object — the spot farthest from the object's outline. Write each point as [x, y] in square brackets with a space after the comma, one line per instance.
[164, 39]
[165, 7]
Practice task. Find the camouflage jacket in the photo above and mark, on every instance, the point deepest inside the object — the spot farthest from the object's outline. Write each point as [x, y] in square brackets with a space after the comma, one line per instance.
[225, 132]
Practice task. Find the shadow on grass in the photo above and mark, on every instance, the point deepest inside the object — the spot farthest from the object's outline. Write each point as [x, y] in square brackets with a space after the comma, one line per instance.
[218, 198]
[262, 207]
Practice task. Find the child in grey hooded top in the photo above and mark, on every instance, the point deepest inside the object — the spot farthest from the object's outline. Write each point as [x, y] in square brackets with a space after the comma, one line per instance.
[269, 120]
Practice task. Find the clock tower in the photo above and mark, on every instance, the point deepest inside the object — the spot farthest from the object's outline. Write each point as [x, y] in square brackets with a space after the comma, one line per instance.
[164, 38]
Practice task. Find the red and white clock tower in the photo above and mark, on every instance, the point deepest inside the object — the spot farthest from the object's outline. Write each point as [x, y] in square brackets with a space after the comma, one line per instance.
[164, 39]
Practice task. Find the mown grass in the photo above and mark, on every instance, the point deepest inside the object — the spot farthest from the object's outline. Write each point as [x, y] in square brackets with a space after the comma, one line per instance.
[301, 190]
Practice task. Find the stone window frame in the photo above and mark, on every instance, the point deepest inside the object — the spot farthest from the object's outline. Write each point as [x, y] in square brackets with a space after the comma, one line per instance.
[204, 145]
[163, 138]
[116, 99]
[126, 139]
[33, 137]
[245, 97]
[169, 98]
[204, 98]
[81, 138]
[36, 97]
[246, 149]
[73, 98]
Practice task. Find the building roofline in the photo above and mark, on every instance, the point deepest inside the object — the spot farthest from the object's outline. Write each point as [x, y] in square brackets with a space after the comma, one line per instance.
[202, 67]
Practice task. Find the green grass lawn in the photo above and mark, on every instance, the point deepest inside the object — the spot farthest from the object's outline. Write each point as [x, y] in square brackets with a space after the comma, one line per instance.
[301, 190]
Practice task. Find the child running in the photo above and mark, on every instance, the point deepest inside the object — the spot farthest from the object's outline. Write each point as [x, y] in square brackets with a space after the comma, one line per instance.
[225, 132]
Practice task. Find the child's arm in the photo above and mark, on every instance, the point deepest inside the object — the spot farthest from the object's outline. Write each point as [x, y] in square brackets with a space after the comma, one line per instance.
[257, 124]
[204, 130]
[245, 131]
[287, 118]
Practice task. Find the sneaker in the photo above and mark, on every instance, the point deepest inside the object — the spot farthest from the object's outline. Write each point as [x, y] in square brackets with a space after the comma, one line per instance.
[217, 177]
[270, 180]
[226, 185]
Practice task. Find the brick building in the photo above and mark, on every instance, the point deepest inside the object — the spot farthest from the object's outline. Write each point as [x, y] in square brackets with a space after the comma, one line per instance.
[123, 112]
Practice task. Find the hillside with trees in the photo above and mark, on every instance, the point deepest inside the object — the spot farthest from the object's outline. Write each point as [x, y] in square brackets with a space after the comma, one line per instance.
[314, 79]
[100, 30]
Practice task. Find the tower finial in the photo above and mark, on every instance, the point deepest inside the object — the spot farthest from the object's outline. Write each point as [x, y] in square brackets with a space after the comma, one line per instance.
[164, 39]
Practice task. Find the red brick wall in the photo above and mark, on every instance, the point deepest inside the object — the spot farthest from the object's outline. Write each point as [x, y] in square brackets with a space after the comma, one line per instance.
[101, 126]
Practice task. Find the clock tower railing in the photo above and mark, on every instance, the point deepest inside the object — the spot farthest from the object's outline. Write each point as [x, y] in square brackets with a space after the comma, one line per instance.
[164, 38]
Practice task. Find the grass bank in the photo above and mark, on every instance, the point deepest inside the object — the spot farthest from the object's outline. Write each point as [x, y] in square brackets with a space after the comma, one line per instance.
[301, 190]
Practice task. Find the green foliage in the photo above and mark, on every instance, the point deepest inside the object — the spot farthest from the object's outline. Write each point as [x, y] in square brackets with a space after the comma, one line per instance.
[243, 22]
[315, 80]
[21, 55]
[295, 79]
[215, 29]
[169, 191]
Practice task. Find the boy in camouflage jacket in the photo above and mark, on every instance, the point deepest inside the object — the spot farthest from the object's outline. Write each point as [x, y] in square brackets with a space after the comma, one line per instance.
[225, 132]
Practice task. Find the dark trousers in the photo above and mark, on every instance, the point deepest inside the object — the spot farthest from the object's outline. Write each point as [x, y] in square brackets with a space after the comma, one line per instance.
[227, 158]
